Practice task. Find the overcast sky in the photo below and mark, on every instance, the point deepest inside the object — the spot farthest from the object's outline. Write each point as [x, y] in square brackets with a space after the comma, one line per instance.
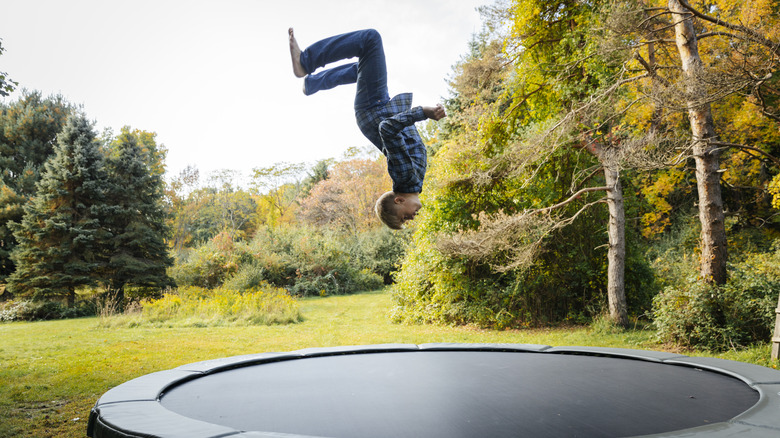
[213, 77]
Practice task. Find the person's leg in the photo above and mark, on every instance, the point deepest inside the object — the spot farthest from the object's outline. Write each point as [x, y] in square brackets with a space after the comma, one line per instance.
[370, 73]
[330, 78]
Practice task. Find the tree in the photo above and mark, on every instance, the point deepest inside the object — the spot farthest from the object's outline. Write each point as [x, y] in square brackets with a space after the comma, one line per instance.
[548, 45]
[706, 155]
[346, 199]
[504, 190]
[234, 206]
[684, 76]
[319, 172]
[28, 132]
[60, 234]
[554, 40]
[135, 253]
[11, 209]
[278, 187]
[199, 214]
[27, 138]
[7, 85]
[181, 208]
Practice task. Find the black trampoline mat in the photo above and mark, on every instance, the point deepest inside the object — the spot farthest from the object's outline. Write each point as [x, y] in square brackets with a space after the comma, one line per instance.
[462, 394]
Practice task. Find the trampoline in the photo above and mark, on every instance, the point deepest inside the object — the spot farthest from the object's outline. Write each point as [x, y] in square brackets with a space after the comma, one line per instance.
[446, 390]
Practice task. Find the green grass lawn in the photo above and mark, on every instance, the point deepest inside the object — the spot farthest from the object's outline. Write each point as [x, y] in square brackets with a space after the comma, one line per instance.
[51, 373]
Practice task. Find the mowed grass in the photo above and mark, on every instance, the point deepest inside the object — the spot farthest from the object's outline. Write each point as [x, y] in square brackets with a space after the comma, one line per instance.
[52, 373]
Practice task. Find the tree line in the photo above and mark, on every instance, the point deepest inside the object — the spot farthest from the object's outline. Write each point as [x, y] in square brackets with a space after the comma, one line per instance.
[332, 194]
[83, 210]
[78, 210]
[599, 156]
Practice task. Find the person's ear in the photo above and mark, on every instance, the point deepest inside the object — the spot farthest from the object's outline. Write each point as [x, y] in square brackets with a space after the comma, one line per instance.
[399, 200]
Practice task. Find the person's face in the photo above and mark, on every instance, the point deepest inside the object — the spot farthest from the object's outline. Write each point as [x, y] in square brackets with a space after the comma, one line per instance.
[408, 209]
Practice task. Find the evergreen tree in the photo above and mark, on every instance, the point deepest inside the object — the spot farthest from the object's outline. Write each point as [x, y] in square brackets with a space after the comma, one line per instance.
[136, 253]
[10, 209]
[59, 234]
[28, 133]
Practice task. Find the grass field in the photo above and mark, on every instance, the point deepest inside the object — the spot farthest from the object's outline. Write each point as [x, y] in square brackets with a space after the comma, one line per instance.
[52, 373]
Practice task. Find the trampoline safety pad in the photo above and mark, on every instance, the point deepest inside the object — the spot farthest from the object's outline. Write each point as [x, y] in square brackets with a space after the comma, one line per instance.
[447, 390]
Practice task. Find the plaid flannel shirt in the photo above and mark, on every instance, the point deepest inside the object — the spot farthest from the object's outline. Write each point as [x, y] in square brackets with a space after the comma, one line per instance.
[390, 127]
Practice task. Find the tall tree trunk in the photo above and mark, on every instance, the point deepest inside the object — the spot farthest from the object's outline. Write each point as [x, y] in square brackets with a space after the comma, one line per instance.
[117, 296]
[616, 231]
[616, 255]
[713, 230]
[776, 336]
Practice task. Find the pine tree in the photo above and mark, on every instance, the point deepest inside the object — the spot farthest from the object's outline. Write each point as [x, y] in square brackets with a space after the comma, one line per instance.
[10, 209]
[59, 235]
[136, 253]
[28, 133]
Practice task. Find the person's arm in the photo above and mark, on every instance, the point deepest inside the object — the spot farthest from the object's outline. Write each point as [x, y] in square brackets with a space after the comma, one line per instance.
[390, 127]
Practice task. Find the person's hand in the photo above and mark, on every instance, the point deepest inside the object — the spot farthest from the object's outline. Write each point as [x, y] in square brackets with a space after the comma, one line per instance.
[434, 112]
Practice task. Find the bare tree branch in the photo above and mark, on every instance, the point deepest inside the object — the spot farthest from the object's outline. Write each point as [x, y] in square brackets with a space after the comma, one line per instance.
[651, 70]
[769, 156]
[508, 242]
[754, 36]
[730, 35]
[571, 199]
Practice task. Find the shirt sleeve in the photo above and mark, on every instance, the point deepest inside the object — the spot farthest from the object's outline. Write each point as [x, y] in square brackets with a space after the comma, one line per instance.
[391, 126]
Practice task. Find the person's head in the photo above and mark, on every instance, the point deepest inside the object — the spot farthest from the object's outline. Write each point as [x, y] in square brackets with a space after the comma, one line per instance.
[393, 209]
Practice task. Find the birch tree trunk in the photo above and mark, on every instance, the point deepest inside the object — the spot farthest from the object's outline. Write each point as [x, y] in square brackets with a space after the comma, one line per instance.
[616, 255]
[713, 230]
[616, 232]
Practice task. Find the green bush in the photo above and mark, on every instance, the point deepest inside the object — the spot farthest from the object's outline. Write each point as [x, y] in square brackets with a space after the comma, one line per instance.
[311, 261]
[305, 261]
[379, 251]
[45, 310]
[209, 265]
[739, 313]
[248, 276]
[565, 284]
[348, 280]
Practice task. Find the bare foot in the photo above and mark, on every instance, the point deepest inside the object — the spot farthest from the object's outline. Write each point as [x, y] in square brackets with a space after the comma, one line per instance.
[295, 54]
[434, 112]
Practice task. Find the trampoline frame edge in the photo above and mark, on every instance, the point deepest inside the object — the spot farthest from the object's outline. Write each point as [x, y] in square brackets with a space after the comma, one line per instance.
[141, 396]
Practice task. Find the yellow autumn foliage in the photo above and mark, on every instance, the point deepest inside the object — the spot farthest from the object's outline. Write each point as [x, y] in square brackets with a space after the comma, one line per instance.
[774, 189]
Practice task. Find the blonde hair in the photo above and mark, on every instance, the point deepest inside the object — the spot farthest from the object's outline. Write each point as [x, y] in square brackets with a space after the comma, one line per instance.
[385, 211]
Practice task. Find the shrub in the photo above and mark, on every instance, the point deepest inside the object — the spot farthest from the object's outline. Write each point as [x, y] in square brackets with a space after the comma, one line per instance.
[192, 306]
[13, 310]
[739, 313]
[209, 265]
[305, 261]
[379, 251]
[335, 283]
[247, 277]
[45, 310]
[566, 280]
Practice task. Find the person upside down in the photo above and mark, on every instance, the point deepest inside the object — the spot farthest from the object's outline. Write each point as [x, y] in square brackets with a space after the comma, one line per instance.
[387, 123]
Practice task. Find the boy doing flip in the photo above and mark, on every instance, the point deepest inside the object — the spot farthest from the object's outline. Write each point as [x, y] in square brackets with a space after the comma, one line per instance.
[387, 123]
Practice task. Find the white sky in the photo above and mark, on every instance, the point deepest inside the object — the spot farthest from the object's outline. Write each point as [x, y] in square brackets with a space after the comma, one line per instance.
[213, 78]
